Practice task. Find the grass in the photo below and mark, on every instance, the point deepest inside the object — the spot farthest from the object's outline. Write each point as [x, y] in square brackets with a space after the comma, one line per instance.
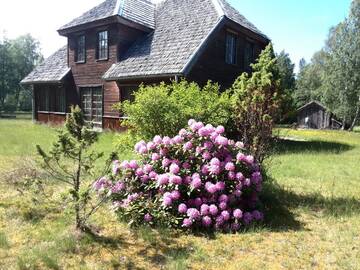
[312, 207]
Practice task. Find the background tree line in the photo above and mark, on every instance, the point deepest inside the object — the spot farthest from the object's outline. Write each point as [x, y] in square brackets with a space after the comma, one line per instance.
[18, 57]
[333, 75]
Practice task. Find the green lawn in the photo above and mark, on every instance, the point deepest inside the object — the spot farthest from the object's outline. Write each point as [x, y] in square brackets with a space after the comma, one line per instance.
[312, 215]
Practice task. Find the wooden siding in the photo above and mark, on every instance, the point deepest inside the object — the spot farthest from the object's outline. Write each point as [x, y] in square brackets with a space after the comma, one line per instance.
[211, 64]
[51, 118]
[91, 72]
[318, 117]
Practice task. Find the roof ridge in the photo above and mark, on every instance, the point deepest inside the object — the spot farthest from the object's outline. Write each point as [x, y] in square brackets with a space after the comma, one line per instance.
[219, 7]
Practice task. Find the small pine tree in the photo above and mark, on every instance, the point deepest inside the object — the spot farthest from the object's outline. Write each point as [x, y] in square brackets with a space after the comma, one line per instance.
[71, 161]
[257, 99]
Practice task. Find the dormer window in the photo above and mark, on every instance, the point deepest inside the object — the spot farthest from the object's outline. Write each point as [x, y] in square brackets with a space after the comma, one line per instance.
[231, 48]
[80, 55]
[103, 46]
[249, 55]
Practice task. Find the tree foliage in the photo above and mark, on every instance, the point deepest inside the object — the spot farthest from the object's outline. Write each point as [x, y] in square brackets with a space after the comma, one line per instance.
[257, 101]
[333, 75]
[71, 161]
[18, 57]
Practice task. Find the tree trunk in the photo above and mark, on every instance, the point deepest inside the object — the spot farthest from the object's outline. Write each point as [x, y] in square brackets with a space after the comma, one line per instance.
[343, 123]
[355, 118]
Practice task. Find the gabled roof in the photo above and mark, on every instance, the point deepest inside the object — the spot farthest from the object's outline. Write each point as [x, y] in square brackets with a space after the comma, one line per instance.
[313, 103]
[138, 11]
[52, 70]
[182, 29]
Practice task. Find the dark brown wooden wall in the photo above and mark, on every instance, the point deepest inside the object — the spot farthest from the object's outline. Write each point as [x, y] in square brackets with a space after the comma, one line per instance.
[319, 118]
[211, 64]
[91, 72]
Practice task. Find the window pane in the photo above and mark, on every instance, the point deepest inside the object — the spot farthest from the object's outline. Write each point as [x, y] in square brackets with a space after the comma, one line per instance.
[81, 50]
[103, 45]
[231, 49]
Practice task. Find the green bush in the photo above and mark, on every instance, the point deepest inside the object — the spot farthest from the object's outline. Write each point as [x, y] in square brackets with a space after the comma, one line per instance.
[164, 109]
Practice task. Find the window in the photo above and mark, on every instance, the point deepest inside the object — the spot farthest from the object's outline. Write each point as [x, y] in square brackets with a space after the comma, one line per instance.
[92, 104]
[103, 46]
[231, 48]
[127, 92]
[51, 99]
[248, 54]
[80, 55]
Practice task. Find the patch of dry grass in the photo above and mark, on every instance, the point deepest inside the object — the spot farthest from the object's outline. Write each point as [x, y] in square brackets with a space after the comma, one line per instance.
[312, 217]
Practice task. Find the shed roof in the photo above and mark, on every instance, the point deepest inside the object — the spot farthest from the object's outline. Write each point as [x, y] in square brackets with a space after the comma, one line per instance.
[52, 70]
[313, 103]
[182, 28]
[138, 11]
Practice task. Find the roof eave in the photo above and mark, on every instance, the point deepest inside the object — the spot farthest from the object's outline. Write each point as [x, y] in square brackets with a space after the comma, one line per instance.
[104, 21]
[145, 76]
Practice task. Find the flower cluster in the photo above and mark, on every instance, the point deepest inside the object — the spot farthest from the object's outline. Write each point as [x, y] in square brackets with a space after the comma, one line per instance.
[197, 179]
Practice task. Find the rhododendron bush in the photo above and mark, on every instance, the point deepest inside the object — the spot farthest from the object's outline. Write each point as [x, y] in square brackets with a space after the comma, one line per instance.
[197, 179]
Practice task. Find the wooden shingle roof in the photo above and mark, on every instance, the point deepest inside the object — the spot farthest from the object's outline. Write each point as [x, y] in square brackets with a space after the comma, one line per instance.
[182, 28]
[52, 70]
[138, 11]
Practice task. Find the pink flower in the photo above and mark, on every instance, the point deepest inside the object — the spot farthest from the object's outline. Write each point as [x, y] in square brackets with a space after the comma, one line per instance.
[204, 209]
[208, 145]
[206, 221]
[206, 155]
[182, 208]
[205, 169]
[175, 195]
[215, 161]
[198, 202]
[231, 175]
[133, 164]
[196, 183]
[125, 165]
[235, 227]
[155, 157]
[187, 222]
[220, 130]
[139, 172]
[147, 218]
[257, 215]
[139, 145]
[157, 139]
[213, 210]
[163, 179]
[193, 213]
[237, 214]
[148, 168]
[191, 122]
[174, 168]
[165, 162]
[247, 182]
[182, 132]
[226, 215]
[187, 180]
[153, 175]
[239, 145]
[220, 186]
[220, 140]
[239, 176]
[247, 217]
[240, 157]
[143, 150]
[151, 145]
[214, 169]
[230, 166]
[175, 179]
[211, 188]
[223, 198]
[178, 139]
[222, 205]
[119, 186]
[167, 201]
[188, 146]
[166, 140]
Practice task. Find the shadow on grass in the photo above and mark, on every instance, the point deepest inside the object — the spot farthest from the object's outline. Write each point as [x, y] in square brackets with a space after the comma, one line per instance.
[279, 204]
[291, 146]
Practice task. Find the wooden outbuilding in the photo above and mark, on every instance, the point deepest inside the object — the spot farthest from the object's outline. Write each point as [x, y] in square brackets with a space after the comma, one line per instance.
[314, 115]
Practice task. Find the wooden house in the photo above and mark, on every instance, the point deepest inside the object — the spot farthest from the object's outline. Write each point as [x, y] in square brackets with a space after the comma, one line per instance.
[119, 44]
[314, 115]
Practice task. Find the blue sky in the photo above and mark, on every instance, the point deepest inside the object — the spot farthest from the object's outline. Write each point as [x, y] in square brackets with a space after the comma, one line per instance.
[300, 27]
